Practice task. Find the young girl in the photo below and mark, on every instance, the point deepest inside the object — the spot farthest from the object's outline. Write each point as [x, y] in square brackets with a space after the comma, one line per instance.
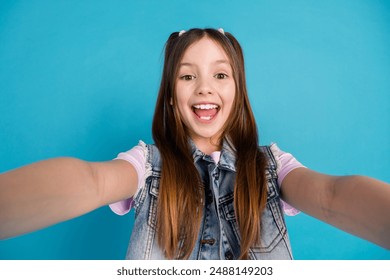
[206, 189]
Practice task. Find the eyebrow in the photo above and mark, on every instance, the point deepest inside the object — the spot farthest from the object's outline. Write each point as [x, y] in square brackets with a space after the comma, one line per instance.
[219, 61]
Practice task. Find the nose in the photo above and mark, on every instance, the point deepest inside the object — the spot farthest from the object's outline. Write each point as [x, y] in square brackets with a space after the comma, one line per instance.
[204, 86]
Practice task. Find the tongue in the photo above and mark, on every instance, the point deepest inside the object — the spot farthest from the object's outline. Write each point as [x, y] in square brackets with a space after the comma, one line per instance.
[205, 113]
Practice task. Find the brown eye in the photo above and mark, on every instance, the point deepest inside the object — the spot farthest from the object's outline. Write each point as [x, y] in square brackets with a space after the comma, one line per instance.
[220, 76]
[187, 77]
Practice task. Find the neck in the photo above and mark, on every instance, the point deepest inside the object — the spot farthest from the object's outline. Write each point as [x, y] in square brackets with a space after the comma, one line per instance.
[207, 145]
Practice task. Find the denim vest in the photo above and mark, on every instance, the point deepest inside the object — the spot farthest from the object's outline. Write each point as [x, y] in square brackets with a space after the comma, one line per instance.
[218, 237]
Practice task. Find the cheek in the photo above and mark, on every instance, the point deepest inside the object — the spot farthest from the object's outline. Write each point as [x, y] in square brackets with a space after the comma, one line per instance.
[229, 91]
[182, 97]
[229, 106]
[229, 98]
[182, 106]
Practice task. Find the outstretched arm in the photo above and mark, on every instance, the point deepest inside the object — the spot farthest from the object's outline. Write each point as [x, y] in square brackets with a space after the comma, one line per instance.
[51, 191]
[356, 204]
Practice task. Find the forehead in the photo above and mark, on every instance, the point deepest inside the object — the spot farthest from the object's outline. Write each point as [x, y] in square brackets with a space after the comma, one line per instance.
[205, 50]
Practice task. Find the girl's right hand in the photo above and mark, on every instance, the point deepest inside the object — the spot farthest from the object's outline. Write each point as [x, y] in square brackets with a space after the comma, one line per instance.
[47, 192]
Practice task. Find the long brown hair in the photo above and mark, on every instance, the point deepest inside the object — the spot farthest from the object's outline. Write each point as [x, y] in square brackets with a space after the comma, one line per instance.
[181, 195]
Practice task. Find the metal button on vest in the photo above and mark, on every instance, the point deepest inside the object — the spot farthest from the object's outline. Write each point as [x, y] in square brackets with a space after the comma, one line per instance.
[208, 241]
[229, 255]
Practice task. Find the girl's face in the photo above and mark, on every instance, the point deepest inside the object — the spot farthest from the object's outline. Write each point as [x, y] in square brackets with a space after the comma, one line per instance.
[205, 91]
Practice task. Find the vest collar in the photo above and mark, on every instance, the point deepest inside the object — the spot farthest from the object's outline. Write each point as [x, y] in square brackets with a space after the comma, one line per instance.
[227, 159]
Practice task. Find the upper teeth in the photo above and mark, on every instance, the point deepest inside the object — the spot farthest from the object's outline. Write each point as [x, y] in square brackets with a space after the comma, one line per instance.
[206, 106]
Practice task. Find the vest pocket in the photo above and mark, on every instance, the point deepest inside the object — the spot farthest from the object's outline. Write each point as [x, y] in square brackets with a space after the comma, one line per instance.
[227, 206]
[273, 228]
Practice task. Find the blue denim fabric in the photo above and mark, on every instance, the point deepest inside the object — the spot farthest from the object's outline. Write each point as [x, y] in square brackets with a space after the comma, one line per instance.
[218, 236]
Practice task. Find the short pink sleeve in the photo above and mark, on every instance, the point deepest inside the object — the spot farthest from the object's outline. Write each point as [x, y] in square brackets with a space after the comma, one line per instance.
[286, 163]
[136, 157]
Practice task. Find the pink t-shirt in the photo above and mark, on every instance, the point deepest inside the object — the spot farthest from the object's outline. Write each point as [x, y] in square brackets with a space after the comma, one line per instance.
[137, 157]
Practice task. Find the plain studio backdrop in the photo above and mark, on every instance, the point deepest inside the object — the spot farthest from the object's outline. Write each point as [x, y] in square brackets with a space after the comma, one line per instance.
[80, 79]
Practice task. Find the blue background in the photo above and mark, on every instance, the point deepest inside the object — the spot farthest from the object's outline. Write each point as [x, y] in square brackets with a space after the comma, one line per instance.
[80, 78]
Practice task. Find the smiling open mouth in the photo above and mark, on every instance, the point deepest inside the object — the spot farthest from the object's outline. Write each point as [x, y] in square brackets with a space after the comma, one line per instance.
[205, 112]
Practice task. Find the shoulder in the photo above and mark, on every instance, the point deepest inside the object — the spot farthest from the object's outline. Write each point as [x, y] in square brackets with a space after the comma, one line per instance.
[282, 161]
[145, 155]
[285, 163]
[271, 155]
[140, 151]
